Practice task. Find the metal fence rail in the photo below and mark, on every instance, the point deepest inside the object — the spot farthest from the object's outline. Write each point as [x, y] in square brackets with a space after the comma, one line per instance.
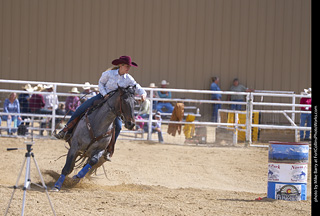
[249, 104]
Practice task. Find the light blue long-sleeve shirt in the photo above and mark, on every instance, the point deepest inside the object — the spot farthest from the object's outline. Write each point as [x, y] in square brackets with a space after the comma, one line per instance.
[9, 107]
[111, 79]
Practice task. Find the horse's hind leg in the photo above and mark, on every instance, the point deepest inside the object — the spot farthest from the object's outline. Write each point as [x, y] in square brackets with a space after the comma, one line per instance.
[67, 169]
[94, 159]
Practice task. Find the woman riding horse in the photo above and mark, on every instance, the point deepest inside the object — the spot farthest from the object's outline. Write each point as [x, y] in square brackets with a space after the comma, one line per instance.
[109, 81]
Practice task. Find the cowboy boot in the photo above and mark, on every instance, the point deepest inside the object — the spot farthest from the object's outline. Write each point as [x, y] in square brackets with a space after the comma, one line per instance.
[62, 133]
[68, 127]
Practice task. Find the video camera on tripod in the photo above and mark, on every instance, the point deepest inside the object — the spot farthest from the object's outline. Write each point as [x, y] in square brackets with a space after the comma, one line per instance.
[27, 181]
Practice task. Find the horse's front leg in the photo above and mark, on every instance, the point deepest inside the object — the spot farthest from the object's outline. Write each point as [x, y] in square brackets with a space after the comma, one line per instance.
[94, 159]
[67, 169]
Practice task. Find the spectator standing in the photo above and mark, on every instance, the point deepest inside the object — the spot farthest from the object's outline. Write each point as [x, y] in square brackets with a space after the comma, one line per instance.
[11, 105]
[305, 117]
[164, 94]
[236, 87]
[72, 102]
[217, 97]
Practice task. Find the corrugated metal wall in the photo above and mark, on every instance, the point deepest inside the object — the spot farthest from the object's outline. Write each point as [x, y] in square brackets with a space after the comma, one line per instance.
[265, 43]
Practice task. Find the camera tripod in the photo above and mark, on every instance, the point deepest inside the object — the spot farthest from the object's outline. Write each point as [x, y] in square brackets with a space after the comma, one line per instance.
[27, 181]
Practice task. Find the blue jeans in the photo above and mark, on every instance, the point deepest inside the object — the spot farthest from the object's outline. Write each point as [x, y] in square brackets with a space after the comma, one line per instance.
[83, 107]
[305, 117]
[167, 106]
[160, 137]
[236, 106]
[216, 107]
[88, 103]
[9, 122]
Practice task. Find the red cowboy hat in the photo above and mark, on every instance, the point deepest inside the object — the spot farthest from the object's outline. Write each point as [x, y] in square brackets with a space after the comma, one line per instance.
[124, 60]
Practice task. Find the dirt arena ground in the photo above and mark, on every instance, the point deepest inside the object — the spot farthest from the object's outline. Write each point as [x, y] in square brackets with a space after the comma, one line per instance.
[147, 178]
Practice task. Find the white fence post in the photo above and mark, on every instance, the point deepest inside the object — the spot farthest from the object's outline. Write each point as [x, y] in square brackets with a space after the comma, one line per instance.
[293, 117]
[53, 120]
[247, 118]
[150, 116]
[235, 132]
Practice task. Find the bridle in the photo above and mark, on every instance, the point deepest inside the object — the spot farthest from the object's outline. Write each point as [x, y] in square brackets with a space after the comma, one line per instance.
[120, 111]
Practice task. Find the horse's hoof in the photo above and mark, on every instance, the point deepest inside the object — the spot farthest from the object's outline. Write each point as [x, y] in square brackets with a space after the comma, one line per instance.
[76, 179]
[54, 189]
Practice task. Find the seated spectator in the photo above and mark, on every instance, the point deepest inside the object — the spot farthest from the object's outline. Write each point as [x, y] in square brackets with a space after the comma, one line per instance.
[60, 111]
[24, 99]
[51, 101]
[139, 125]
[87, 92]
[24, 102]
[37, 105]
[144, 108]
[72, 102]
[163, 94]
[37, 102]
[156, 126]
[236, 87]
[11, 105]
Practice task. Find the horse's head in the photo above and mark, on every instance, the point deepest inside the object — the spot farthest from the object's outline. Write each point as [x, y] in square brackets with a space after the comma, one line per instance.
[127, 101]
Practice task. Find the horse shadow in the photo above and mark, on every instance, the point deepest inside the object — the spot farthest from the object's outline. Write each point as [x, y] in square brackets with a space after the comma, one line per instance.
[264, 199]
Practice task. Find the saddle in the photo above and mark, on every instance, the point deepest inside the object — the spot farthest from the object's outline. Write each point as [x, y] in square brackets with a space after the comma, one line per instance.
[72, 125]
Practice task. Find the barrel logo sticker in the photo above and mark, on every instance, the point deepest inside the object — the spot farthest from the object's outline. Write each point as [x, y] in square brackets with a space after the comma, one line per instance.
[299, 173]
[293, 173]
[288, 192]
[273, 173]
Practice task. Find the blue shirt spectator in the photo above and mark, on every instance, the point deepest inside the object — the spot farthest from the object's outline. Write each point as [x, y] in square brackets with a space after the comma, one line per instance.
[24, 102]
[214, 87]
[163, 94]
[11, 105]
